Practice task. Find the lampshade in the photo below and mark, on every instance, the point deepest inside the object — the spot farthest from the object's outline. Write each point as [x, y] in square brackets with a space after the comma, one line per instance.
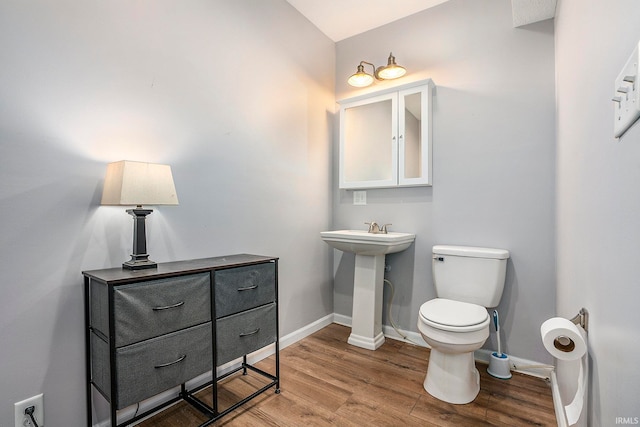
[137, 183]
[391, 70]
[360, 78]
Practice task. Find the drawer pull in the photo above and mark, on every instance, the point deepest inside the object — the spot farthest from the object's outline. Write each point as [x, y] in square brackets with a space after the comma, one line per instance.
[250, 333]
[247, 288]
[164, 365]
[166, 307]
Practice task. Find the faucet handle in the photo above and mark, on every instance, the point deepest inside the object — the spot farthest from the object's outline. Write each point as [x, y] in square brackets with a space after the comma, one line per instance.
[383, 229]
[373, 227]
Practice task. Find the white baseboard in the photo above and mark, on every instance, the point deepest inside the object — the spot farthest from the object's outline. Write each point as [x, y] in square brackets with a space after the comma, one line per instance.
[341, 319]
[561, 416]
[518, 364]
[388, 331]
[404, 336]
[305, 331]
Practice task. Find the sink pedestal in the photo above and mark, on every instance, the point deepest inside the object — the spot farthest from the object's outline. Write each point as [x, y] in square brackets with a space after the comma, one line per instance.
[368, 278]
[366, 321]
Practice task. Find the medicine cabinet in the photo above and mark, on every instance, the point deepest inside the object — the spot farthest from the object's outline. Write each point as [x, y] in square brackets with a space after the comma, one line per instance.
[385, 138]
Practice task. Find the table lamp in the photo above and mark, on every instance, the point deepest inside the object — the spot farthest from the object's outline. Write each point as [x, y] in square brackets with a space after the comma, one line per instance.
[130, 183]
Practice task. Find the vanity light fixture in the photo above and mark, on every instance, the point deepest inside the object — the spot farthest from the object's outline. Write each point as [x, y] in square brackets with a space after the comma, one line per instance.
[388, 72]
[130, 183]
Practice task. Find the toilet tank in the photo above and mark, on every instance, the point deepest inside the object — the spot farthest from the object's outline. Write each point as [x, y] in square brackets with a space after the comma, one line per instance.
[469, 274]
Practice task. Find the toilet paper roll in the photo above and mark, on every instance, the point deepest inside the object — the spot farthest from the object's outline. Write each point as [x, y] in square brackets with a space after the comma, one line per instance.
[563, 339]
[574, 409]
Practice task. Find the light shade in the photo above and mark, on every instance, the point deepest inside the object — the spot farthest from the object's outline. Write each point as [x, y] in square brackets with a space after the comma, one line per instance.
[360, 78]
[391, 70]
[130, 183]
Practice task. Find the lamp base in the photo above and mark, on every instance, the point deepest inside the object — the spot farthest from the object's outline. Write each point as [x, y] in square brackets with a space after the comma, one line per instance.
[139, 264]
[139, 258]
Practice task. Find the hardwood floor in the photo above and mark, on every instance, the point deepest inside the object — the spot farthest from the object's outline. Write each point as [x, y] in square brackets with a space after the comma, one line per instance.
[325, 381]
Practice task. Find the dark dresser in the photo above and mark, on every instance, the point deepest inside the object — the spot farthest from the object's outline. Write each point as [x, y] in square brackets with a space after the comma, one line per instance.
[148, 331]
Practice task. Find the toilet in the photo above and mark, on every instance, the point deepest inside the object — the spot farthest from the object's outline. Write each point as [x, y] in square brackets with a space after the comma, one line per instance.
[468, 280]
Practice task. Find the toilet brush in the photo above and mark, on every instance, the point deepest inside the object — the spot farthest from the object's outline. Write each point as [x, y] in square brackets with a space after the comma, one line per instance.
[499, 365]
[496, 323]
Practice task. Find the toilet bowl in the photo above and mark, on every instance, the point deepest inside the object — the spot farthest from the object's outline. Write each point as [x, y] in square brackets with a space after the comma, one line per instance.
[453, 330]
[467, 281]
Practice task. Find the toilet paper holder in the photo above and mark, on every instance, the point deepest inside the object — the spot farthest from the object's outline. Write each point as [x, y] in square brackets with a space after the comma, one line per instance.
[565, 343]
[582, 319]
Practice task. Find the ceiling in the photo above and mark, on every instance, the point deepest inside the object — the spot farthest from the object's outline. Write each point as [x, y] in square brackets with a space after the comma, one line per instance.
[340, 19]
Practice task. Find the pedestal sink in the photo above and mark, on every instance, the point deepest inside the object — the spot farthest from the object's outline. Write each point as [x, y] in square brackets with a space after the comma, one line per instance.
[368, 280]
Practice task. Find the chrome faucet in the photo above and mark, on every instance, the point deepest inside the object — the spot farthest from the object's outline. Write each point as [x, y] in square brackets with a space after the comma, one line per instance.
[374, 228]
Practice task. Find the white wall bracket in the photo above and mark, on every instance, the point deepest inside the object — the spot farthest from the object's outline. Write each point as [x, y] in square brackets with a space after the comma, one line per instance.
[626, 99]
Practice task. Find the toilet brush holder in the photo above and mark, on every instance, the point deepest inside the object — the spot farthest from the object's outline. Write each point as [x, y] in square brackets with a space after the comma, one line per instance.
[499, 366]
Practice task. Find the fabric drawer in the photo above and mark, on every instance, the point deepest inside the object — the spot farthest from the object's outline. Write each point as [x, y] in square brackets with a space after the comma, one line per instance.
[150, 367]
[245, 332]
[153, 308]
[99, 306]
[242, 288]
[100, 370]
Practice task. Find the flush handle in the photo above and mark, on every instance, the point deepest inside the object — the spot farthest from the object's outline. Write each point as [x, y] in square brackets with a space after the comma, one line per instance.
[438, 258]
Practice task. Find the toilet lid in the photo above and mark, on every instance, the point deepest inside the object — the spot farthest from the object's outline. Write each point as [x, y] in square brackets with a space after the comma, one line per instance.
[449, 314]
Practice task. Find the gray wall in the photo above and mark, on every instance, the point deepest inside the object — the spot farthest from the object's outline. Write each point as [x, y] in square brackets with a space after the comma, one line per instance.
[82, 85]
[86, 83]
[493, 159]
[598, 207]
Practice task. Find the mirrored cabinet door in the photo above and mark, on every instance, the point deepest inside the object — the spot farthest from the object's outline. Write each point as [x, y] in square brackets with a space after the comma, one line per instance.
[414, 137]
[368, 152]
[385, 138]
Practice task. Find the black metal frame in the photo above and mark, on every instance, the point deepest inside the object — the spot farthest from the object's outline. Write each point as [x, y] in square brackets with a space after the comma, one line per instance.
[187, 395]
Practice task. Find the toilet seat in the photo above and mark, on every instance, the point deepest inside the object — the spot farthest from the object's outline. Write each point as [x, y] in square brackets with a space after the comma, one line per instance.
[454, 316]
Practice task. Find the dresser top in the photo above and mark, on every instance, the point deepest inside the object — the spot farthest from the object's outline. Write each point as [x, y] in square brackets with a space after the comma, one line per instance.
[166, 269]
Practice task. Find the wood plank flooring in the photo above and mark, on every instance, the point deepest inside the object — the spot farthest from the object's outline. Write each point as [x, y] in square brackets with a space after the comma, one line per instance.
[325, 381]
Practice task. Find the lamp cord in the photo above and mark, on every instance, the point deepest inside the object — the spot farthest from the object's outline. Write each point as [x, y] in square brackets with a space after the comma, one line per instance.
[29, 411]
[33, 420]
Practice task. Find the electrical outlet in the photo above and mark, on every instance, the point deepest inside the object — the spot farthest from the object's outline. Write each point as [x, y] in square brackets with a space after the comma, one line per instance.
[359, 197]
[627, 96]
[23, 420]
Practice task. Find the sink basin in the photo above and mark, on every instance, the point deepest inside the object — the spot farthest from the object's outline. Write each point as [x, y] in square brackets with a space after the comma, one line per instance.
[362, 243]
[368, 277]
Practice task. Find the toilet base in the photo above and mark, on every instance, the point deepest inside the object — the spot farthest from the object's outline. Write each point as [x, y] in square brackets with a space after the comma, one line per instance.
[452, 377]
